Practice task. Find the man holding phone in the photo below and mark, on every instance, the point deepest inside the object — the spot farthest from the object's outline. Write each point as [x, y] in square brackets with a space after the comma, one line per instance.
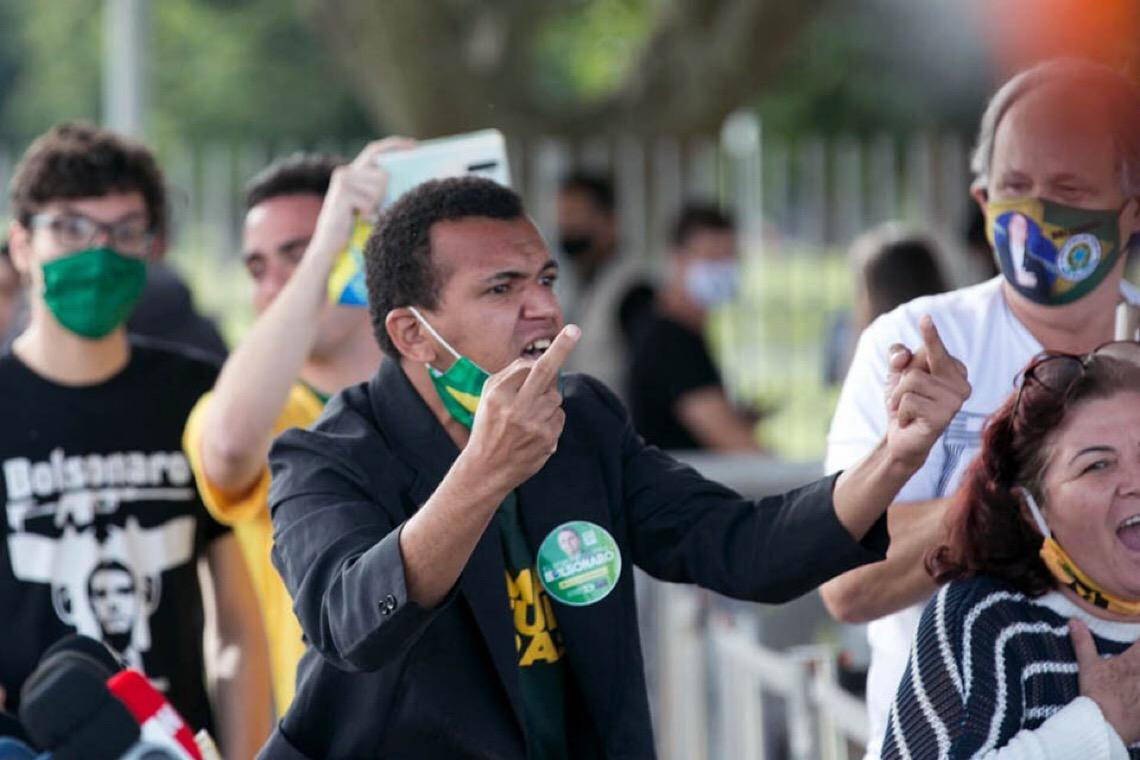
[300, 212]
[421, 523]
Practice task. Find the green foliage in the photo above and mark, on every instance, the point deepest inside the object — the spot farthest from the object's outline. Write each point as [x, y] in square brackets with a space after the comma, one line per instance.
[248, 69]
[881, 66]
[50, 59]
[218, 70]
[585, 51]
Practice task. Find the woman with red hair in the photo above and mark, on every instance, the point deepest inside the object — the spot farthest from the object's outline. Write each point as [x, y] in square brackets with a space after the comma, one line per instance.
[1027, 649]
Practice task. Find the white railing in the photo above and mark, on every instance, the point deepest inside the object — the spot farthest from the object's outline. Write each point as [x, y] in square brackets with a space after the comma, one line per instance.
[721, 693]
[718, 688]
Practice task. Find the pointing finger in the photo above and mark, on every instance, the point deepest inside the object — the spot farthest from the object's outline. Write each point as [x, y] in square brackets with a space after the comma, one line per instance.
[938, 360]
[545, 369]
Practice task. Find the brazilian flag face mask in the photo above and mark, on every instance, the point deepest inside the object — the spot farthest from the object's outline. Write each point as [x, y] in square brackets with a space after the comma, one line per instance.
[461, 385]
[1050, 253]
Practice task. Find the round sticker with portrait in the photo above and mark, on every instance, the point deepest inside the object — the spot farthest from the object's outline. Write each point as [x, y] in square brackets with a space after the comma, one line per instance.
[578, 563]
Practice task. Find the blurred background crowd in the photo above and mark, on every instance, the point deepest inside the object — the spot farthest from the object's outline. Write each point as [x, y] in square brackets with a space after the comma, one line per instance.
[736, 189]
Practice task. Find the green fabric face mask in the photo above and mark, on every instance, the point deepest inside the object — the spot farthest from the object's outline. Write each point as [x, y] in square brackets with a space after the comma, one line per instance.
[461, 385]
[91, 292]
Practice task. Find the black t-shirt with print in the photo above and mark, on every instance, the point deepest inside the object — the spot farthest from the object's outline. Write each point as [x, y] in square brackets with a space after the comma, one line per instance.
[669, 361]
[103, 524]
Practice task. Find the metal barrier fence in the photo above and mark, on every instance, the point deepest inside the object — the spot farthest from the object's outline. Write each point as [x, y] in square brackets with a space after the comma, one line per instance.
[719, 692]
[719, 686]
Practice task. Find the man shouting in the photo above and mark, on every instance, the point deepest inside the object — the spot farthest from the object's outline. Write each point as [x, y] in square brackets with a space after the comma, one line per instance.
[419, 525]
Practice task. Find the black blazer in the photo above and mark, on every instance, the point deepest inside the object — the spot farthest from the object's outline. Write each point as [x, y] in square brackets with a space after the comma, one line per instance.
[382, 677]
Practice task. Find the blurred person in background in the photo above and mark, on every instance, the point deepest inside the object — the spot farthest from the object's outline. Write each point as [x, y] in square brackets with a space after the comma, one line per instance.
[300, 212]
[676, 396]
[1058, 155]
[892, 266]
[611, 291]
[166, 311]
[1042, 556]
[93, 474]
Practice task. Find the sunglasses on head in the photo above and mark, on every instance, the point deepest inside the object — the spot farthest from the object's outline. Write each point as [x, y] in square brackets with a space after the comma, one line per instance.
[1057, 373]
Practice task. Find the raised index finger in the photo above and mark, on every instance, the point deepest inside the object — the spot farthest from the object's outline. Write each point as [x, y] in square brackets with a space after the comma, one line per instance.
[938, 359]
[545, 369]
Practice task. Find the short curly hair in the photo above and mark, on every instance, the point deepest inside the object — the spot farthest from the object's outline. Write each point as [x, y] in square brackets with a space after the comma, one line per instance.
[76, 160]
[298, 173]
[398, 265]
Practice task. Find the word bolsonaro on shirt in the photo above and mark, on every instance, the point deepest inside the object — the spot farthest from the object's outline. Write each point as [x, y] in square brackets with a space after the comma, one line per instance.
[76, 488]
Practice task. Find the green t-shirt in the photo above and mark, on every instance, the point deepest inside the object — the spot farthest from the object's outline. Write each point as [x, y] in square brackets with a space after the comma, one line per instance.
[538, 641]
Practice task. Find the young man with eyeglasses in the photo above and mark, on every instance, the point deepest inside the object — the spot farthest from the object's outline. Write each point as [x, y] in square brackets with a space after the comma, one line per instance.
[91, 468]
[1057, 175]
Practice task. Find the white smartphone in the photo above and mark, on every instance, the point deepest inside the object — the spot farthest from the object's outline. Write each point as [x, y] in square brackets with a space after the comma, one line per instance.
[481, 154]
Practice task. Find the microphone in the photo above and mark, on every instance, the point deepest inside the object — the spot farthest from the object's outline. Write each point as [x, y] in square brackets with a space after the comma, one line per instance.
[93, 648]
[159, 722]
[67, 710]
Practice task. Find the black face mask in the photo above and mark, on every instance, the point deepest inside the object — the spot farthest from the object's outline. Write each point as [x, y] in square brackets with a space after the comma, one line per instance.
[575, 245]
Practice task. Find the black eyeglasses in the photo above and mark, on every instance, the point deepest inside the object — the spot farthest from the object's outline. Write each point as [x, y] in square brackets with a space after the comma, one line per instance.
[73, 231]
[1057, 372]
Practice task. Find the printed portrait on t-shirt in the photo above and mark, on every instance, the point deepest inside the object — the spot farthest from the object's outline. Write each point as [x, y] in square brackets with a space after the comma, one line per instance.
[74, 524]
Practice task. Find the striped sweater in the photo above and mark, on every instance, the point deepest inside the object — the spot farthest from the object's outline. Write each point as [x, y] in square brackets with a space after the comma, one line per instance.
[989, 662]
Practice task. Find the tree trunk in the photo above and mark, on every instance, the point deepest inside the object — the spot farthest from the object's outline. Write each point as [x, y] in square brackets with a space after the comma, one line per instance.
[433, 67]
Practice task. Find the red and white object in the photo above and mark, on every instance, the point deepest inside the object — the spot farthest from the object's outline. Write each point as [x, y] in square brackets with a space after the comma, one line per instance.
[158, 721]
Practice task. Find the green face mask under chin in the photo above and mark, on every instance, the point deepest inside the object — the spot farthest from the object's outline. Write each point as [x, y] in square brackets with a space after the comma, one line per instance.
[461, 385]
[91, 292]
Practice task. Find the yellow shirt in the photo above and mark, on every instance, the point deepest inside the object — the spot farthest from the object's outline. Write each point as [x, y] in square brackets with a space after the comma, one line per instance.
[248, 514]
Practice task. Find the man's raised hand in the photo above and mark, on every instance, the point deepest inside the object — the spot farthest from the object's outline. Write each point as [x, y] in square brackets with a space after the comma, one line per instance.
[355, 190]
[520, 418]
[924, 392]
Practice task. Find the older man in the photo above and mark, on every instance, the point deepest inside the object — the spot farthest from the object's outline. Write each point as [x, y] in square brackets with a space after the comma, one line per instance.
[1057, 174]
[417, 523]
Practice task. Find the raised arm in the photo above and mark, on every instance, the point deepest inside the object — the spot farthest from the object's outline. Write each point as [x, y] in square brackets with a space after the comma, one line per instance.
[365, 582]
[689, 530]
[516, 430]
[254, 383]
[877, 589]
[925, 391]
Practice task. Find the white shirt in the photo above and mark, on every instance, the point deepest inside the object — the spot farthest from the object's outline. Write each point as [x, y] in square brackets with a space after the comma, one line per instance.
[978, 328]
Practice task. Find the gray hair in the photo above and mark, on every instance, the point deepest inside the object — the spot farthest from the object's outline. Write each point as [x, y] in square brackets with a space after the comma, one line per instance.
[1121, 96]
